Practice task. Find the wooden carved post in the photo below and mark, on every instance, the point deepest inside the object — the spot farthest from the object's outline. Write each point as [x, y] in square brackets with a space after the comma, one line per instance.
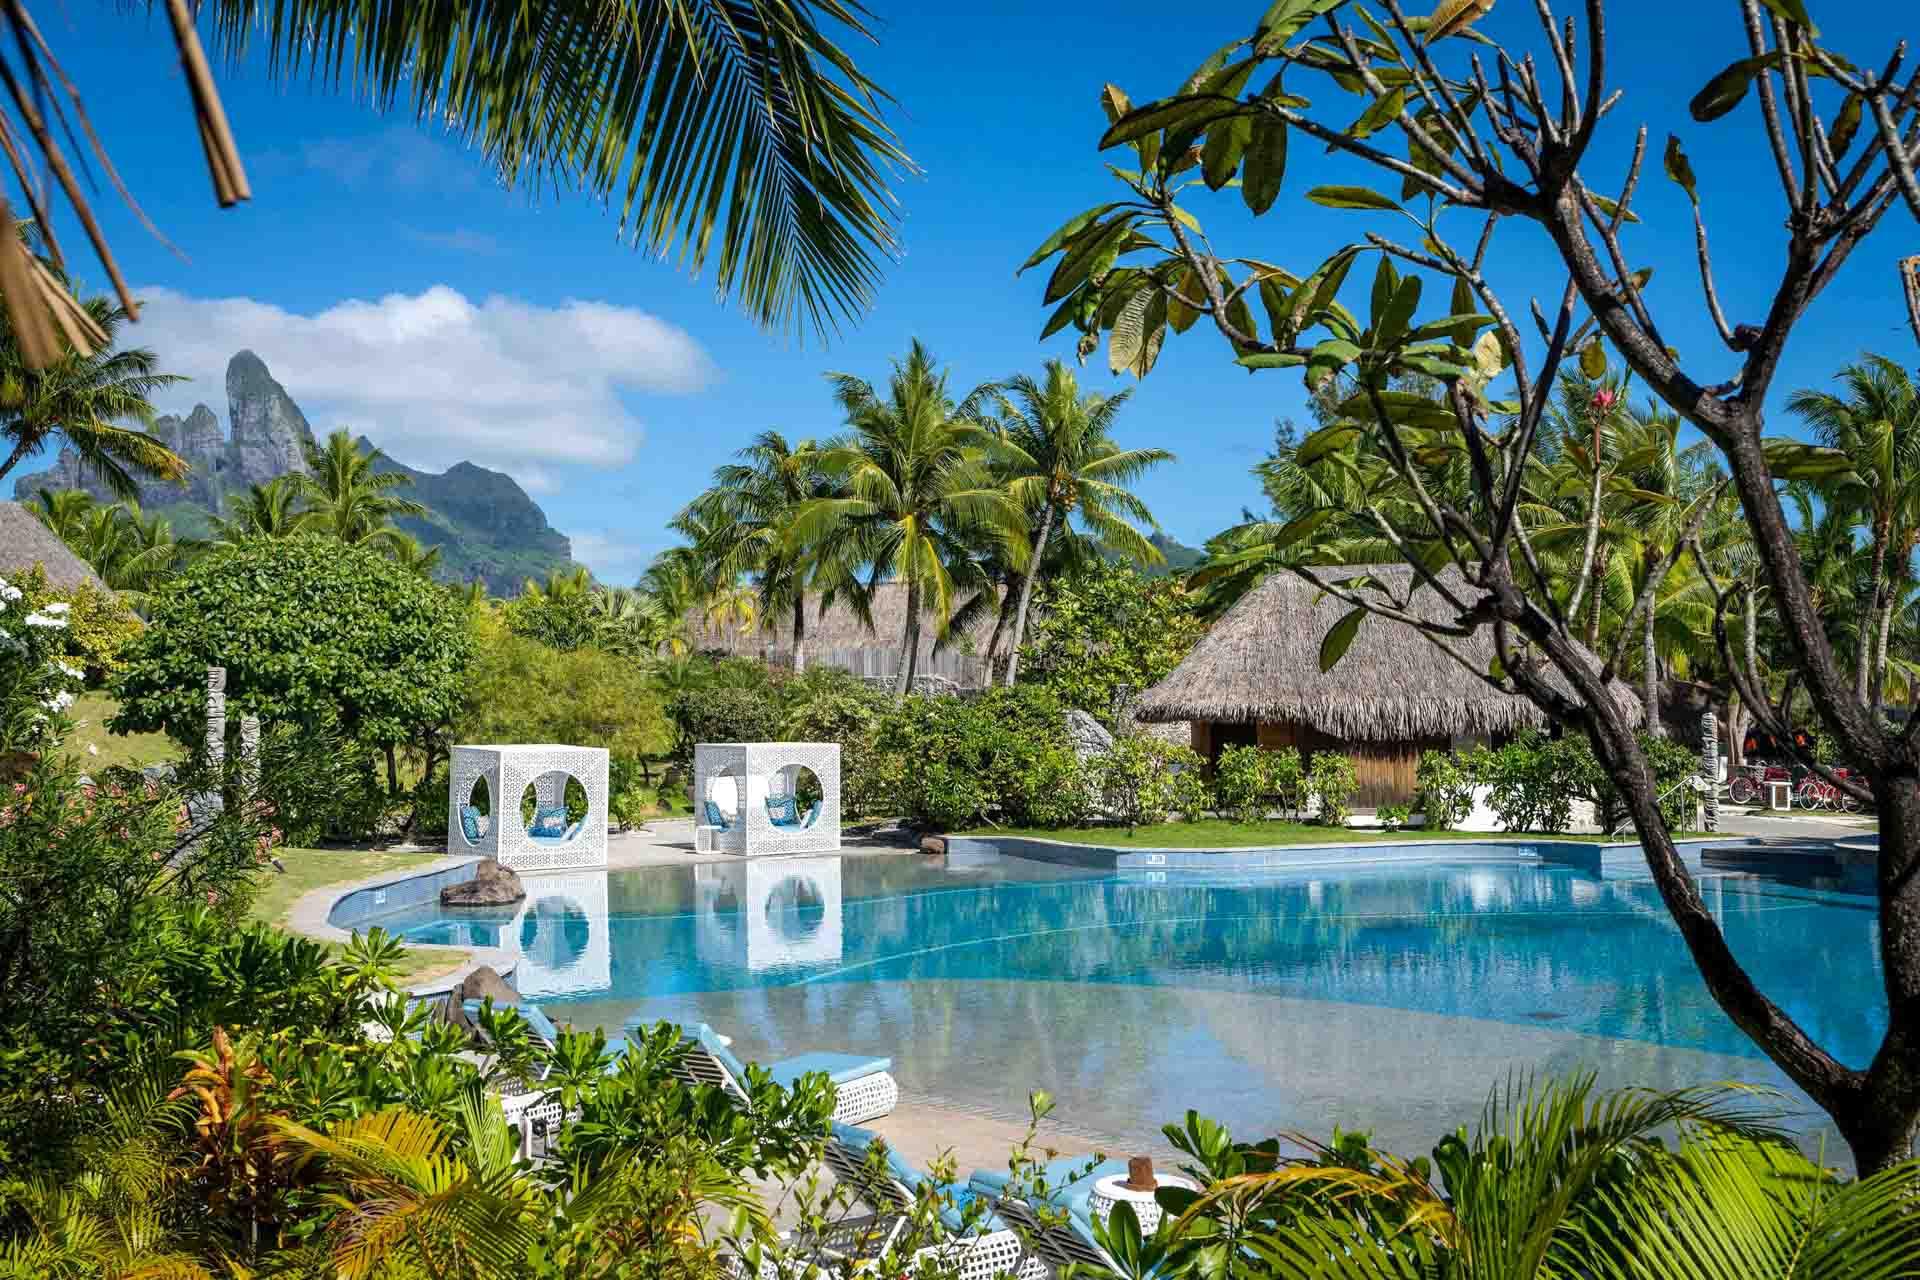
[216, 716]
[250, 749]
[1710, 767]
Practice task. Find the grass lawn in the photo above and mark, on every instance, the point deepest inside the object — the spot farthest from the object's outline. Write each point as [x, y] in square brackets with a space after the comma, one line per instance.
[1219, 833]
[309, 869]
[90, 713]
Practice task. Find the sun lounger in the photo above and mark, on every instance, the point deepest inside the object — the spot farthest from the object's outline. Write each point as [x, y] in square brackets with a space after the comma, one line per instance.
[865, 1087]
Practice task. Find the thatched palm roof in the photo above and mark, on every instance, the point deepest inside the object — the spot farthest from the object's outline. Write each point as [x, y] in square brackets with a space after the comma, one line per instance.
[837, 637]
[25, 542]
[1261, 662]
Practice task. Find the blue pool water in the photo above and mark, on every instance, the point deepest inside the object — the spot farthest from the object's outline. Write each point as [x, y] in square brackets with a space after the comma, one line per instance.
[1385, 997]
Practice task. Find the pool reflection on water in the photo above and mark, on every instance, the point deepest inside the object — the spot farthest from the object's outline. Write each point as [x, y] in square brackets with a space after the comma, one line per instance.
[1386, 997]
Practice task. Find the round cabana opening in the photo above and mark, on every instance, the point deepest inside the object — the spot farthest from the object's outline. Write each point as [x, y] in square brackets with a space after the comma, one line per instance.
[767, 797]
[476, 813]
[553, 807]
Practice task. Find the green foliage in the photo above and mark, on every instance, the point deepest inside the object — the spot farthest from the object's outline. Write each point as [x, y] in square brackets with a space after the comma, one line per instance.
[1106, 635]
[1672, 763]
[1143, 779]
[1242, 782]
[827, 705]
[312, 632]
[99, 624]
[1331, 786]
[1531, 780]
[37, 684]
[1444, 789]
[1000, 757]
[1394, 816]
[722, 713]
[520, 690]
[1187, 791]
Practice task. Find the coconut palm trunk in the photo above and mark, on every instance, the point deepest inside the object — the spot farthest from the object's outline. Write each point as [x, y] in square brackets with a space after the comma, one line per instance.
[1880, 651]
[800, 631]
[1003, 619]
[1026, 596]
[1863, 670]
[909, 658]
[1650, 690]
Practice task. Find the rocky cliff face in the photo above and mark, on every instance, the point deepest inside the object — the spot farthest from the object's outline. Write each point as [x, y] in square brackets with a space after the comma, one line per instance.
[484, 522]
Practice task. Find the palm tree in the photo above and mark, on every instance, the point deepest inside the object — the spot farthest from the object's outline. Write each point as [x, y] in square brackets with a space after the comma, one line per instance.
[918, 487]
[744, 523]
[132, 551]
[1875, 420]
[81, 399]
[66, 512]
[736, 133]
[1060, 462]
[348, 498]
[414, 556]
[269, 510]
[672, 588]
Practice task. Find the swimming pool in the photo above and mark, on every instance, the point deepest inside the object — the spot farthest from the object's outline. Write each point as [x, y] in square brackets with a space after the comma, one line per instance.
[1387, 997]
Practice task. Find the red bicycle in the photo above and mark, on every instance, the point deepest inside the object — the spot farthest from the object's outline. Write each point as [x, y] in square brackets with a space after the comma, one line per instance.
[1815, 792]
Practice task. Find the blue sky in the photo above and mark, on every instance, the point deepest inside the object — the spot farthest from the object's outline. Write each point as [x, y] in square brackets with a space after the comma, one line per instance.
[396, 290]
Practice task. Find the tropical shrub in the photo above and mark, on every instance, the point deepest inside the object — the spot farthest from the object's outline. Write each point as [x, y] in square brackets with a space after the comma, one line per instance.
[1137, 782]
[1532, 780]
[1104, 635]
[99, 623]
[37, 683]
[1003, 756]
[1287, 780]
[311, 631]
[1242, 781]
[1395, 816]
[1443, 789]
[722, 713]
[1187, 791]
[1331, 786]
[828, 705]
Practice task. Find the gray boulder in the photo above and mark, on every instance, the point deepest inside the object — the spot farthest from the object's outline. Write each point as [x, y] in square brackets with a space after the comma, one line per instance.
[492, 886]
[1089, 737]
[483, 983]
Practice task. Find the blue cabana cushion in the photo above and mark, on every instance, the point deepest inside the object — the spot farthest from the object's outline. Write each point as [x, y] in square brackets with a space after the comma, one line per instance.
[470, 822]
[780, 811]
[549, 821]
[714, 817]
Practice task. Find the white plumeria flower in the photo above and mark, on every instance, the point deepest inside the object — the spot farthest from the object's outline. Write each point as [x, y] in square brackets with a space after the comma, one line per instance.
[44, 619]
[70, 671]
[57, 608]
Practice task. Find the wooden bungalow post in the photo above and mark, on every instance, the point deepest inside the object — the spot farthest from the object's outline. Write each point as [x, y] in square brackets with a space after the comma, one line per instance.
[1710, 767]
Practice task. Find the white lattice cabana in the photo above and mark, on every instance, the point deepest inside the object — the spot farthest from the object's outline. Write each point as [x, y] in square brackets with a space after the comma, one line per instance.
[508, 770]
[737, 787]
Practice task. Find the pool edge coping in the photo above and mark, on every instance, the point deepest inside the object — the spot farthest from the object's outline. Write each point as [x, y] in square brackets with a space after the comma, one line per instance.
[1074, 853]
[310, 916]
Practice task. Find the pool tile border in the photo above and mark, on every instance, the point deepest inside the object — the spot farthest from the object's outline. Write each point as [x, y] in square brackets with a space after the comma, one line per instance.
[1605, 858]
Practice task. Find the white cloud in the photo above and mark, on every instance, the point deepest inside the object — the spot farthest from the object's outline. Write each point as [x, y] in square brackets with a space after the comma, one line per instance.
[398, 156]
[613, 559]
[434, 378]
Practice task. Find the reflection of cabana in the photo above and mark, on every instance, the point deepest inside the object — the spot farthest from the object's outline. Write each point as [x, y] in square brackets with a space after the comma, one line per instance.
[750, 798]
[508, 771]
[560, 932]
[768, 915]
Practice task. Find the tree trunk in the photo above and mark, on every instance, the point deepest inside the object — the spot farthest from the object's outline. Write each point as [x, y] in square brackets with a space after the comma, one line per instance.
[13, 459]
[1650, 679]
[1864, 655]
[1026, 597]
[800, 632]
[1880, 653]
[909, 657]
[1002, 617]
[1593, 600]
[393, 770]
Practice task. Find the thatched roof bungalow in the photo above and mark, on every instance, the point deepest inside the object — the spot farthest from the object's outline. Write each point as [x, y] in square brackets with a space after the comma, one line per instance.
[837, 637]
[1256, 678]
[25, 543]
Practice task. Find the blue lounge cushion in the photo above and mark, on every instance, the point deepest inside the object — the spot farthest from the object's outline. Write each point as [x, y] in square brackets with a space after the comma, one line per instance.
[813, 815]
[470, 822]
[1067, 1187]
[714, 817]
[574, 830]
[551, 820]
[841, 1068]
[780, 811]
